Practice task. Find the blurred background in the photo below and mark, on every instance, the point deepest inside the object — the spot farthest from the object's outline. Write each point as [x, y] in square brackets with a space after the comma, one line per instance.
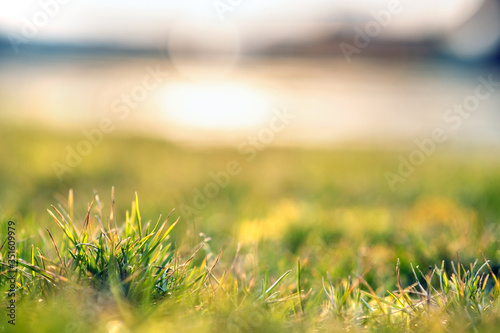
[170, 91]
[350, 70]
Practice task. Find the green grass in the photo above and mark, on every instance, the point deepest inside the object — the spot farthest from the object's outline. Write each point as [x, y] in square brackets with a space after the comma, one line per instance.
[300, 240]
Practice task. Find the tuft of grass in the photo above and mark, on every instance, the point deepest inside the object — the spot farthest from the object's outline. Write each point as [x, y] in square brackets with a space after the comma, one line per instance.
[436, 300]
[134, 262]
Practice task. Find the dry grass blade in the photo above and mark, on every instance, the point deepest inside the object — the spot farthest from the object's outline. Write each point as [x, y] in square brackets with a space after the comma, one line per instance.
[213, 266]
[55, 247]
[86, 222]
[372, 292]
[70, 204]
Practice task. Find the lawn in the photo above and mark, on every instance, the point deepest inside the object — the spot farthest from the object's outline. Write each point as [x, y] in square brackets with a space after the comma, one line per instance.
[295, 240]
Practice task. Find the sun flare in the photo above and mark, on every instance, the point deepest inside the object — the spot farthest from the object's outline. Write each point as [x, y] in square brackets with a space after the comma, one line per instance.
[216, 106]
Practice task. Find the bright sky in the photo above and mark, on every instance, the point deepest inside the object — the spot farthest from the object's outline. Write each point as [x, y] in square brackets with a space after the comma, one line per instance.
[146, 21]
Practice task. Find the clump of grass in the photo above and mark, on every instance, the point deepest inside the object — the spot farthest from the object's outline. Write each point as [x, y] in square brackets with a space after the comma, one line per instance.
[134, 261]
[461, 301]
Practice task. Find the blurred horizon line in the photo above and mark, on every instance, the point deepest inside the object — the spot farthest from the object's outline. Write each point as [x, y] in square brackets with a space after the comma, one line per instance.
[429, 48]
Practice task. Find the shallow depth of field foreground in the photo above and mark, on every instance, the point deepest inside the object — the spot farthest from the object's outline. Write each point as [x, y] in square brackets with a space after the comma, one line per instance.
[300, 240]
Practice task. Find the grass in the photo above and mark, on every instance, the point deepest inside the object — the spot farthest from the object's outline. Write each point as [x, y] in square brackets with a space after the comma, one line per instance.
[301, 240]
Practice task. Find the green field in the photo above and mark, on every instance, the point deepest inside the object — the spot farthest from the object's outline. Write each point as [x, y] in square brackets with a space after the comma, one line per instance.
[328, 210]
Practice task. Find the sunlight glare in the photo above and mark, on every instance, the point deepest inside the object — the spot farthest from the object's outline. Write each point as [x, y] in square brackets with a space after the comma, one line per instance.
[216, 106]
